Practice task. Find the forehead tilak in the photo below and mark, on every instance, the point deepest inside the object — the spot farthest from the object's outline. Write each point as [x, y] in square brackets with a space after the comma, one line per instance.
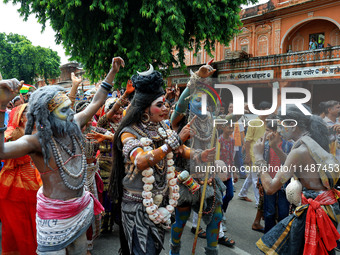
[57, 100]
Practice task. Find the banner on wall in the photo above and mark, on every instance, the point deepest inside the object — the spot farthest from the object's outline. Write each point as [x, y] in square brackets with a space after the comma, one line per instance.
[247, 76]
[311, 72]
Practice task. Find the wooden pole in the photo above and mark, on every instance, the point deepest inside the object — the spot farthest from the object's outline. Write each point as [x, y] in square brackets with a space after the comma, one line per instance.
[228, 118]
[203, 196]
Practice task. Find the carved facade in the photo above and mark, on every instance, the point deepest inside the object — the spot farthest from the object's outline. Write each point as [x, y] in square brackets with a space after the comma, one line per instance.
[294, 42]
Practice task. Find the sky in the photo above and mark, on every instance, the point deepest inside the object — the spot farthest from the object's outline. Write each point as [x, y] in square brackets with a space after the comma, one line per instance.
[11, 22]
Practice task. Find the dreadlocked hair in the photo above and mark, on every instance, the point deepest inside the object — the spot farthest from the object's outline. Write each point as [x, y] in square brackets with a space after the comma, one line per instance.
[148, 84]
[132, 116]
[311, 123]
[38, 115]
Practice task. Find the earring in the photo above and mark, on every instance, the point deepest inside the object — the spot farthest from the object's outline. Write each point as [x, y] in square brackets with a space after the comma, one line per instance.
[145, 118]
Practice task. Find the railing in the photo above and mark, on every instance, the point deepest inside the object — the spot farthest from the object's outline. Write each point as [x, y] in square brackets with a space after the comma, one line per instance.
[294, 58]
[328, 54]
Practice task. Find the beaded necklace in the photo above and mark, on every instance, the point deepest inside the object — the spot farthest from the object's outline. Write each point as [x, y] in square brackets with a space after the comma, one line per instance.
[203, 129]
[154, 134]
[155, 131]
[61, 165]
[113, 126]
[90, 146]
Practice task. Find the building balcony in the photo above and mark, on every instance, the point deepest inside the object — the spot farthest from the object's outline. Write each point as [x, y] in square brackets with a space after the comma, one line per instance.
[301, 58]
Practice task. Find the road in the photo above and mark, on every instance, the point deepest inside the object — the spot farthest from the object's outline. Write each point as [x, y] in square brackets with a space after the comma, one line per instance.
[240, 216]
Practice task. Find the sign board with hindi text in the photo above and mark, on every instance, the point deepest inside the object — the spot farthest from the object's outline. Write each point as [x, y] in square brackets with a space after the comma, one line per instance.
[247, 76]
[311, 72]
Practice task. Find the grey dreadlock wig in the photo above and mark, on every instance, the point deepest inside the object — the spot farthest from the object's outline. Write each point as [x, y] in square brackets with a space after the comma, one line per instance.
[46, 124]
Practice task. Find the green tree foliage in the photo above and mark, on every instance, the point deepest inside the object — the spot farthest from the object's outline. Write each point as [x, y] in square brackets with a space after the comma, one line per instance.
[140, 31]
[20, 59]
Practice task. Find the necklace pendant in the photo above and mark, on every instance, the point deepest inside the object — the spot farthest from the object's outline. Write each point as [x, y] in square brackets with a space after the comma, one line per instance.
[157, 200]
[154, 135]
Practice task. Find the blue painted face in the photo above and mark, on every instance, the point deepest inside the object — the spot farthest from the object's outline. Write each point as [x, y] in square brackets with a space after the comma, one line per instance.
[196, 104]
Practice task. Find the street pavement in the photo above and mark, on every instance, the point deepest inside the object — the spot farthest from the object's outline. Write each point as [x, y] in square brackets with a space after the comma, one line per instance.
[240, 216]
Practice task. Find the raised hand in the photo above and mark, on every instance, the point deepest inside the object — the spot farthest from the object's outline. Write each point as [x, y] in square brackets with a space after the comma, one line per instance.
[336, 128]
[186, 131]
[177, 92]
[129, 87]
[208, 155]
[97, 136]
[259, 148]
[168, 90]
[206, 70]
[8, 90]
[75, 79]
[117, 62]
[274, 139]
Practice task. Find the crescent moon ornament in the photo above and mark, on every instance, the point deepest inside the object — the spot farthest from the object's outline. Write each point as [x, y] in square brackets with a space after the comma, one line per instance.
[148, 72]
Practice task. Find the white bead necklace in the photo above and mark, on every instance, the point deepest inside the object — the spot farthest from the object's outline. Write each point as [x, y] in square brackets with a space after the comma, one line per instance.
[159, 214]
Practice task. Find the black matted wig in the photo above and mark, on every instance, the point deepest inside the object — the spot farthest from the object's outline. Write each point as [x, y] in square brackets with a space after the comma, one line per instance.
[311, 123]
[147, 89]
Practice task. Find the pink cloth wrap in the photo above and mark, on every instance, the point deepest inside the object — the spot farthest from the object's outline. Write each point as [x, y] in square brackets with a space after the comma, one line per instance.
[49, 209]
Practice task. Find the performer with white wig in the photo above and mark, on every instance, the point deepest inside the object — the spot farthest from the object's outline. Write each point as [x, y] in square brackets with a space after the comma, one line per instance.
[64, 209]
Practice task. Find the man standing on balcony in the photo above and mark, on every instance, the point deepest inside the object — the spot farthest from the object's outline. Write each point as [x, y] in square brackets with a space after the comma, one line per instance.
[313, 45]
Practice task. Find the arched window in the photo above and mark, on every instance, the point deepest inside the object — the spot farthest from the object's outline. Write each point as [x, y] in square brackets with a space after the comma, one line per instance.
[198, 58]
[297, 43]
[227, 53]
[335, 37]
[187, 57]
[262, 45]
[245, 44]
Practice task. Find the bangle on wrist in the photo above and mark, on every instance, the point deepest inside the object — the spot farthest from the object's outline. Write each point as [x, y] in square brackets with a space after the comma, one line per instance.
[122, 101]
[259, 164]
[193, 78]
[173, 139]
[111, 83]
[3, 129]
[107, 86]
[180, 141]
[172, 142]
[119, 103]
[197, 155]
